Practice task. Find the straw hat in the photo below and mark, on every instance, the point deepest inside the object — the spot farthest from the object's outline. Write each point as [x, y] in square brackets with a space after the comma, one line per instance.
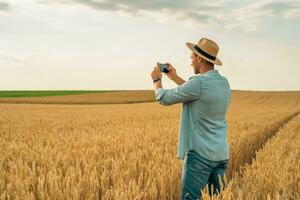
[206, 49]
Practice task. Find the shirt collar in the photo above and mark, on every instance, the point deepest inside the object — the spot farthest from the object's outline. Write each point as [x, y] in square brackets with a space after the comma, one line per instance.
[210, 72]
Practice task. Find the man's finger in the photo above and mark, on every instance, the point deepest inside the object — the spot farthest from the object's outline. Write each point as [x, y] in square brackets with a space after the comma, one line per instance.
[170, 66]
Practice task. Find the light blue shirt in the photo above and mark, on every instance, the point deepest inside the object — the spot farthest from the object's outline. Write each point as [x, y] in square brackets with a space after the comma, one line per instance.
[203, 125]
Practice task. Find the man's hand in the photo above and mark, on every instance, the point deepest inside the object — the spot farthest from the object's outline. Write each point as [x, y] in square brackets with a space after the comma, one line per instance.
[156, 73]
[173, 75]
[172, 72]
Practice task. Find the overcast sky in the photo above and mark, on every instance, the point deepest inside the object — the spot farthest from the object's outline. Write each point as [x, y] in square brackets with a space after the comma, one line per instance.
[114, 44]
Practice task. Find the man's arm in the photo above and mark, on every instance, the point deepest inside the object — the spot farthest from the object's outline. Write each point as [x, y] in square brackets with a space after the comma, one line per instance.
[178, 80]
[173, 75]
[188, 91]
[157, 85]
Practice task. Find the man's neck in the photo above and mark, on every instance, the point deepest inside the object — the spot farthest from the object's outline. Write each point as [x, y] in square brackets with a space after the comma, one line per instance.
[207, 69]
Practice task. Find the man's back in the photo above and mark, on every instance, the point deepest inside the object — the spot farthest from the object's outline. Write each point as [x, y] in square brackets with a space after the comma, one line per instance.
[203, 124]
[203, 121]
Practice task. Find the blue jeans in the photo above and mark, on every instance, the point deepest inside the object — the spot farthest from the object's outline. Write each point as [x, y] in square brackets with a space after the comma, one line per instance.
[197, 172]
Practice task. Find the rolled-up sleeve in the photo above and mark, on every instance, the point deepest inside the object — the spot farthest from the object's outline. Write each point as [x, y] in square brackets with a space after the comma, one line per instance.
[188, 91]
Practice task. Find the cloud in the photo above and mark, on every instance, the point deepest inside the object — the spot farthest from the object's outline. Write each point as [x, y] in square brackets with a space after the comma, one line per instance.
[249, 17]
[4, 6]
[201, 13]
[292, 13]
[6, 59]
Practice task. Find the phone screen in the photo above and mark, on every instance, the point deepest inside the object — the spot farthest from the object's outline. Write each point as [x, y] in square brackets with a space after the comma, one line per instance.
[164, 68]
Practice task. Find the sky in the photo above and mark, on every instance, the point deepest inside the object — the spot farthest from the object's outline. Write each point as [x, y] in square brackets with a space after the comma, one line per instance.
[115, 44]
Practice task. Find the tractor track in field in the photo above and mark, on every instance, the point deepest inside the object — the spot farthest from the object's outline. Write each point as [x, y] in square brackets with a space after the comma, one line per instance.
[269, 133]
[272, 132]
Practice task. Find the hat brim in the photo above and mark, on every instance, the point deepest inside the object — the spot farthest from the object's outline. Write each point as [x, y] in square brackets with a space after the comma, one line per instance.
[191, 47]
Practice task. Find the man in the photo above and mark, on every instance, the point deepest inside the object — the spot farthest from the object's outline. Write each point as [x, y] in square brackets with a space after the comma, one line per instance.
[202, 137]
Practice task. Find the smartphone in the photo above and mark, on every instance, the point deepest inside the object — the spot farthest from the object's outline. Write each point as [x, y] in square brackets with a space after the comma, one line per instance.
[163, 67]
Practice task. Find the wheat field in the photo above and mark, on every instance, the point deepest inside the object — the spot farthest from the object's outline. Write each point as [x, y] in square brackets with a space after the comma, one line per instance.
[275, 171]
[128, 151]
[107, 97]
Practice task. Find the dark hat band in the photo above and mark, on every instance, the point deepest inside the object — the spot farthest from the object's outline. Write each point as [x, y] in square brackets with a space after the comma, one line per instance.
[204, 53]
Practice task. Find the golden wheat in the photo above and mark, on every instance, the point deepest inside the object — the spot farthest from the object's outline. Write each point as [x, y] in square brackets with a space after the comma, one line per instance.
[275, 172]
[123, 151]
